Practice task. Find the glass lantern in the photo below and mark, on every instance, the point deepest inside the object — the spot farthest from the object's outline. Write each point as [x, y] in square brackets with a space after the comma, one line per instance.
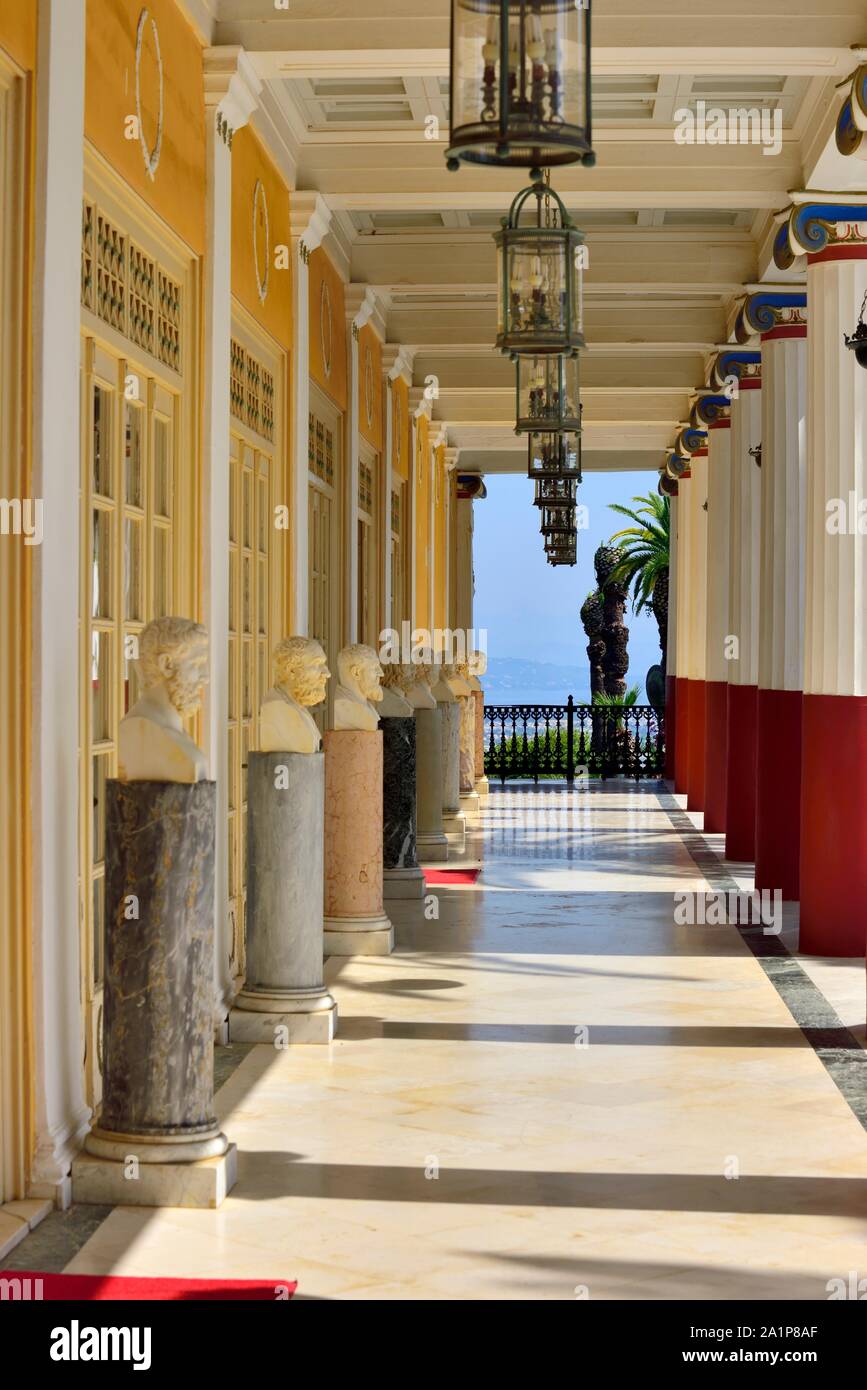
[548, 393]
[562, 550]
[557, 521]
[554, 456]
[520, 83]
[540, 281]
[556, 492]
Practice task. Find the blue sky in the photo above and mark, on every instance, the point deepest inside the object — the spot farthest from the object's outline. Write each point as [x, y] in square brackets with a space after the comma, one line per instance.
[531, 609]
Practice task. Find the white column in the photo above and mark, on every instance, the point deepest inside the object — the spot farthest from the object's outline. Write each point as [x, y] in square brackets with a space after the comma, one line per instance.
[671, 642]
[684, 513]
[696, 494]
[62, 1116]
[744, 535]
[310, 218]
[783, 484]
[231, 92]
[718, 550]
[464, 525]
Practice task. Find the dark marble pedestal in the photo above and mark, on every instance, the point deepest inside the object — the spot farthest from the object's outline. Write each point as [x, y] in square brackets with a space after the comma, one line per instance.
[284, 998]
[158, 1022]
[402, 877]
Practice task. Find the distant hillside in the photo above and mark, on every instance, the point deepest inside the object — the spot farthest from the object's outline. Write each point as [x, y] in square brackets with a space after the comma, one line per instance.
[513, 677]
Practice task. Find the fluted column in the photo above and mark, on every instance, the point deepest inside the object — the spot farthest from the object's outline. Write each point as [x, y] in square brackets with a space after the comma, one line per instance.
[833, 859]
[681, 732]
[697, 638]
[671, 645]
[742, 645]
[780, 317]
[714, 411]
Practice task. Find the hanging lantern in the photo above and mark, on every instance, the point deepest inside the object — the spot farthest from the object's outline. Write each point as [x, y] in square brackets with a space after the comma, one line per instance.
[554, 456]
[548, 390]
[555, 492]
[520, 83]
[857, 341]
[557, 521]
[540, 283]
[562, 550]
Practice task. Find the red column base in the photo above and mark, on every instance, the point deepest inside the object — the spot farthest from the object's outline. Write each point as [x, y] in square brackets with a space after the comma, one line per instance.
[681, 736]
[778, 791]
[670, 725]
[715, 744]
[695, 747]
[834, 825]
[741, 774]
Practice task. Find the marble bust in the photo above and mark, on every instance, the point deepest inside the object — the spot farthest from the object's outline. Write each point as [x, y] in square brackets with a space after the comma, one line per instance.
[478, 665]
[394, 705]
[359, 688]
[173, 666]
[417, 686]
[300, 678]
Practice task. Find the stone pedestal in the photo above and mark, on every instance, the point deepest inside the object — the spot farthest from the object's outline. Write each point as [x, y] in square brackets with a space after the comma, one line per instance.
[402, 877]
[469, 799]
[454, 822]
[158, 1142]
[431, 842]
[284, 988]
[355, 923]
[482, 787]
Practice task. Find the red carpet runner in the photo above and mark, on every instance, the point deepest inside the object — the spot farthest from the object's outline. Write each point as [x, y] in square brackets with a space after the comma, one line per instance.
[107, 1288]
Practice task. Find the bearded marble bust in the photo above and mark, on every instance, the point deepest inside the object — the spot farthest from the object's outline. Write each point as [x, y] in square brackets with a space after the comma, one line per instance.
[418, 692]
[457, 676]
[478, 665]
[173, 668]
[360, 688]
[395, 704]
[300, 679]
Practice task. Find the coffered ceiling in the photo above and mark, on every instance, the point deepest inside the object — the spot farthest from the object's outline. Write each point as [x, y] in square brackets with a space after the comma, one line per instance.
[674, 231]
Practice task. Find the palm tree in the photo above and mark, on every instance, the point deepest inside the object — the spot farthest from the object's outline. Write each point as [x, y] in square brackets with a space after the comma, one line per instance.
[645, 558]
[615, 633]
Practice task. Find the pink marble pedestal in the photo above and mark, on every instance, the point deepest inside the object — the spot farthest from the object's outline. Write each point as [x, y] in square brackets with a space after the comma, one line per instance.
[355, 923]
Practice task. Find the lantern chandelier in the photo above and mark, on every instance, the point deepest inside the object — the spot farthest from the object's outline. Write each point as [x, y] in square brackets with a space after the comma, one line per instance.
[520, 83]
[548, 394]
[540, 284]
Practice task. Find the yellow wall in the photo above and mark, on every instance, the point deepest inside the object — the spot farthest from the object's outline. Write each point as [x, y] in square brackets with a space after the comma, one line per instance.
[18, 31]
[422, 539]
[177, 189]
[400, 429]
[370, 355]
[251, 166]
[323, 274]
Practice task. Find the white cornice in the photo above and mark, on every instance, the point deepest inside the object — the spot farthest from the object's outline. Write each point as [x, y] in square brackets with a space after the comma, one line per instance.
[232, 88]
[397, 361]
[270, 124]
[309, 218]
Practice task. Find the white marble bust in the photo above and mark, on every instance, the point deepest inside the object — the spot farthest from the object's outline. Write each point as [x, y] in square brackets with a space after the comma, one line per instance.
[478, 665]
[394, 705]
[152, 745]
[360, 688]
[300, 678]
[418, 692]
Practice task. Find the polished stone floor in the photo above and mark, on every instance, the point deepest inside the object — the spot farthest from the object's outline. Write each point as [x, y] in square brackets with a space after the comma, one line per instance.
[551, 1091]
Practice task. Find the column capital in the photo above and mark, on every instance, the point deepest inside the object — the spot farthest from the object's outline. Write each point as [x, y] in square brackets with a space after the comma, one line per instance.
[768, 309]
[830, 225]
[309, 220]
[711, 410]
[439, 436]
[451, 457]
[398, 360]
[676, 466]
[232, 88]
[851, 130]
[742, 364]
[420, 402]
[690, 440]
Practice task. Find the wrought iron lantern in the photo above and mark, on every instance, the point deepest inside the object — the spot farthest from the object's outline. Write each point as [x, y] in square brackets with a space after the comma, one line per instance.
[548, 390]
[556, 492]
[562, 550]
[554, 456]
[857, 341]
[520, 83]
[557, 521]
[540, 282]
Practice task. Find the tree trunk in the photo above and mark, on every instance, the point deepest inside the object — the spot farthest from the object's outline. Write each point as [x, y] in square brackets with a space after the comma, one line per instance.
[659, 603]
[615, 633]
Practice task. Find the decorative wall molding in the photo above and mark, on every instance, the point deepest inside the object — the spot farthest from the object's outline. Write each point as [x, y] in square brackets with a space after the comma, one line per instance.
[309, 221]
[232, 89]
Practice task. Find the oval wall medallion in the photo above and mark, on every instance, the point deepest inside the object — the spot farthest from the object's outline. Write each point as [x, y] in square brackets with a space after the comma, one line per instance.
[326, 328]
[261, 240]
[151, 153]
[368, 385]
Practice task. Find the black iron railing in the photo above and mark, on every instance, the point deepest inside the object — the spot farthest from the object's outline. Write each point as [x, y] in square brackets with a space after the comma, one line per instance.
[539, 741]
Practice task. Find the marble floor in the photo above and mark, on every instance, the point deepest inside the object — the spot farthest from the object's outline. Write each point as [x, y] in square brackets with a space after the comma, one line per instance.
[550, 1091]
